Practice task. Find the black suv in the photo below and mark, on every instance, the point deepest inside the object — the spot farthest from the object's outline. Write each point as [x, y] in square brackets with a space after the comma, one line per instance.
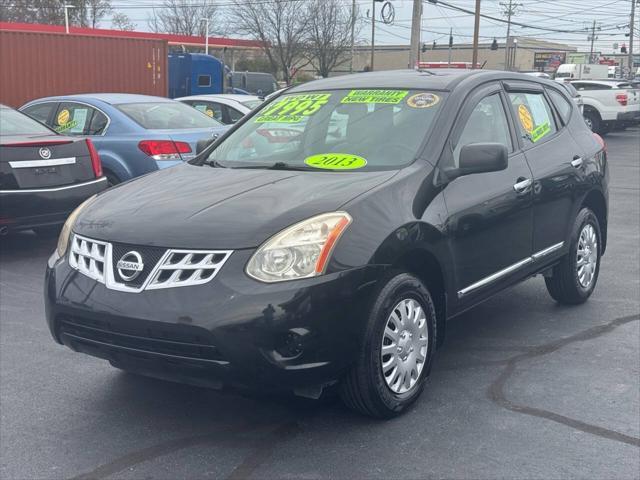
[328, 236]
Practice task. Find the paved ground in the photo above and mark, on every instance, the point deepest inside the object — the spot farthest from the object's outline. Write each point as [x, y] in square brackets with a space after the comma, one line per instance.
[524, 388]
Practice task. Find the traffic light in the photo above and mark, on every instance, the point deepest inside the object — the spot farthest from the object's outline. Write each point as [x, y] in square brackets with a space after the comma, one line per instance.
[623, 48]
[424, 48]
[494, 44]
[433, 47]
[450, 41]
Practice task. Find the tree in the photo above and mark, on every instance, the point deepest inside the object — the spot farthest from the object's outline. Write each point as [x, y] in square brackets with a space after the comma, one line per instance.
[281, 26]
[184, 17]
[85, 13]
[120, 21]
[90, 12]
[329, 34]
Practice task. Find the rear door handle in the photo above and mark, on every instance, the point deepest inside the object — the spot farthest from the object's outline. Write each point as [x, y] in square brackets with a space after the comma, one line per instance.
[522, 185]
[576, 162]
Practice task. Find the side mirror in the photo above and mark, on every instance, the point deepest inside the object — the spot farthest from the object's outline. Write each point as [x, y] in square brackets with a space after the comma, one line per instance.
[481, 158]
[204, 143]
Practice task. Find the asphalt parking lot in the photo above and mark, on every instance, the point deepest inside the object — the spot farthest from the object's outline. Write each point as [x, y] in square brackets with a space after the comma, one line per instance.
[522, 389]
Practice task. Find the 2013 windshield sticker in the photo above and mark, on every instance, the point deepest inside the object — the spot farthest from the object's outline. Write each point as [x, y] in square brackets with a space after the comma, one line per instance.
[525, 118]
[540, 131]
[335, 161]
[392, 97]
[293, 108]
[423, 100]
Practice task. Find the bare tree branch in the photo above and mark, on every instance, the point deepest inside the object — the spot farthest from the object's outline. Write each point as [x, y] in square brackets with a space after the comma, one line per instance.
[184, 17]
[120, 21]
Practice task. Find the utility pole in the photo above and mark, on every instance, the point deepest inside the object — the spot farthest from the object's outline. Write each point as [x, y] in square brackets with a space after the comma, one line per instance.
[66, 17]
[416, 21]
[450, 45]
[373, 32]
[476, 28]
[631, 29]
[592, 38]
[353, 33]
[510, 10]
[206, 35]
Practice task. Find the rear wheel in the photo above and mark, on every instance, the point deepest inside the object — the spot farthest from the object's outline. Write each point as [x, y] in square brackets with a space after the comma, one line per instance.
[395, 360]
[574, 278]
[592, 119]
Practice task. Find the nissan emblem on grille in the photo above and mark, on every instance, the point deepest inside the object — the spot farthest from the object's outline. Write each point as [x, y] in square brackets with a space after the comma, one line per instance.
[45, 153]
[130, 265]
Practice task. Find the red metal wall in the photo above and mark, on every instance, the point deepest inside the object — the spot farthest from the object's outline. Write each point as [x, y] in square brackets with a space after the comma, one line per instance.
[34, 65]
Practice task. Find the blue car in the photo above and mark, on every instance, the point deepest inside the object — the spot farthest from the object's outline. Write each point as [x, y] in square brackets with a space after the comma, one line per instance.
[134, 134]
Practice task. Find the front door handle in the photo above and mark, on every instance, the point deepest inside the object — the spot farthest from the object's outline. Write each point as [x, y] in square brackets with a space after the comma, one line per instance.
[522, 185]
[576, 162]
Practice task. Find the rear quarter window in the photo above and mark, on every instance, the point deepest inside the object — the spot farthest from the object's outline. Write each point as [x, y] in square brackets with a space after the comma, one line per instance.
[562, 104]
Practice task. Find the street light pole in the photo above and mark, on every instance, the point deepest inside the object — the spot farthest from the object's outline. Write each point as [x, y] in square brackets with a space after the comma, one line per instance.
[206, 35]
[510, 10]
[631, 29]
[593, 37]
[476, 28]
[66, 17]
[416, 21]
[373, 31]
[353, 33]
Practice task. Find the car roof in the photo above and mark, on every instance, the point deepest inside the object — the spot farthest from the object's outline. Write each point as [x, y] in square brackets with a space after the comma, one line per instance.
[222, 96]
[430, 79]
[109, 98]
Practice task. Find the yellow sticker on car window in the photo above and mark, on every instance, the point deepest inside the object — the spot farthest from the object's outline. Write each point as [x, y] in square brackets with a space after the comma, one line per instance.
[423, 100]
[525, 118]
[335, 161]
[210, 112]
[392, 97]
[540, 131]
[292, 108]
[63, 117]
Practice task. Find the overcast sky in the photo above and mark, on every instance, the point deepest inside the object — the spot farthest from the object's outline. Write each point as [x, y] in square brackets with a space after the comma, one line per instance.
[571, 17]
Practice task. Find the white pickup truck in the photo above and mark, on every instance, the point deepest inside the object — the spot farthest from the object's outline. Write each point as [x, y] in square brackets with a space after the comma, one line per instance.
[608, 104]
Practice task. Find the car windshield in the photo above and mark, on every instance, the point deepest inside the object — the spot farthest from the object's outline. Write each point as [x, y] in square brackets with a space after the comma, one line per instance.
[167, 115]
[333, 130]
[252, 103]
[16, 123]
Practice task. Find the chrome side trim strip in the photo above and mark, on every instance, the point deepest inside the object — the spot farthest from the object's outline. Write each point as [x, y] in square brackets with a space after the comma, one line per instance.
[55, 189]
[510, 269]
[43, 163]
[495, 276]
[547, 251]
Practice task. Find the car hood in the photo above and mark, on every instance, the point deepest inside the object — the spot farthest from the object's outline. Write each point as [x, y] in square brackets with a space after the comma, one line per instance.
[191, 206]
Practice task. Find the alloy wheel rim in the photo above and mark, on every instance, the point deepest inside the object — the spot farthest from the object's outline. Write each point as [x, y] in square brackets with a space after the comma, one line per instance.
[587, 255]
[404, 346]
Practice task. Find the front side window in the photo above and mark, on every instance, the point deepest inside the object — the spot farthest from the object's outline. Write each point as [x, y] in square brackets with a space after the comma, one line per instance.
[533, 116]
[334, 130]
[166, 115]
[486, 124]
[204, 80]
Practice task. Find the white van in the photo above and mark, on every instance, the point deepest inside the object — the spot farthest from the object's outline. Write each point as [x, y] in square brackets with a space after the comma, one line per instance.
[581, 71]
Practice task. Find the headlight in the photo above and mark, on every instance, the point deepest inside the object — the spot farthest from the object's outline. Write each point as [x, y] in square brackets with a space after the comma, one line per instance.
[300, 251]
[65, 233]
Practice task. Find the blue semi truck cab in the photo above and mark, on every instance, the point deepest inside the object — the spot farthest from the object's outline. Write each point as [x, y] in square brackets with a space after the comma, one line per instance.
[194, 74]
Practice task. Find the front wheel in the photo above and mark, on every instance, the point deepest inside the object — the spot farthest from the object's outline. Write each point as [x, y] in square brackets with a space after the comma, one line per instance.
[395, 359]
[574, 278]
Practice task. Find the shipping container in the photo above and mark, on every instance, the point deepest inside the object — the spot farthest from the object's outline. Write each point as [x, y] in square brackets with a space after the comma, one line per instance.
[35, 64]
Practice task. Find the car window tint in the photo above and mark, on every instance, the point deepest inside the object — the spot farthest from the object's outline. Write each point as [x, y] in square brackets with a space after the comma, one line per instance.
[98, 123]
[486, 124]
[562, 104]
[16, 123]
[234, 115]
[166, 115]
[533, 116]
[41, 112]
[72, 118]
[210, 109]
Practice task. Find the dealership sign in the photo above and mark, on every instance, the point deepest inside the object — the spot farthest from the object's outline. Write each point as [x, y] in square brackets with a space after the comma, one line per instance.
[548, 61]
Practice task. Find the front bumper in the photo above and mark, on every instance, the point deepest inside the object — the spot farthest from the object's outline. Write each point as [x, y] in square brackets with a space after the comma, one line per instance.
[231, 331]
[36, 207]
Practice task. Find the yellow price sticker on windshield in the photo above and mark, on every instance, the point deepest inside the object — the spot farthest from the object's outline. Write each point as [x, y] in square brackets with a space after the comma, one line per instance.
[540, 131]
[392, 97]
[63, 117]
[292, 108]
[335, 161]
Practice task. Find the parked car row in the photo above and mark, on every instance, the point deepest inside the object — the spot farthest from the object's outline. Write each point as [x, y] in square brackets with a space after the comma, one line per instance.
[44, 149]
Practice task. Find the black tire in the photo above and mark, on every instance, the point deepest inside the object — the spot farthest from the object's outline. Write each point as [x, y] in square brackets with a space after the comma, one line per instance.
[48, 231]
[564, 285]
[364, 388]
[593, 121]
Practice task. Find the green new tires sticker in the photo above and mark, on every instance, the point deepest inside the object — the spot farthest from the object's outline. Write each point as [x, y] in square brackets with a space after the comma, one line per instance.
[375, 96]
[539, 132]
[336, 161]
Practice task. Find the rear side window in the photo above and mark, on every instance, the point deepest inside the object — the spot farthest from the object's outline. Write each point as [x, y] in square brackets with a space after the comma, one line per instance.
[210, 109]
[234, 115]
[98, 123]
[72, 118]
[166, 115]
[41, 112]
[562, 104]
[533, 116]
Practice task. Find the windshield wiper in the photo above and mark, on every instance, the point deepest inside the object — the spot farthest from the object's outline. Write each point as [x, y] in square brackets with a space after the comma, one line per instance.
[278, 166]
[215, 163]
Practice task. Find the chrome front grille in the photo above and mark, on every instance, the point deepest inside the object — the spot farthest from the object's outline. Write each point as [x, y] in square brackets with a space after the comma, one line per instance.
[174, 268]
[181, 268]
[88, 257]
